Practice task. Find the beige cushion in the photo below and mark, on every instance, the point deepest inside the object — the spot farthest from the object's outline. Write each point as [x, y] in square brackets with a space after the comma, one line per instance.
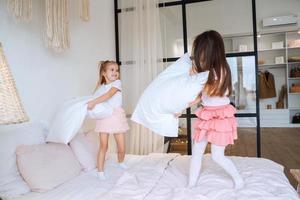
[46, 166]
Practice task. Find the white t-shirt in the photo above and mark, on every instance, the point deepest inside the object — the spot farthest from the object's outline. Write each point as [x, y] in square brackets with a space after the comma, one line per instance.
[214, 101]
[116, 99]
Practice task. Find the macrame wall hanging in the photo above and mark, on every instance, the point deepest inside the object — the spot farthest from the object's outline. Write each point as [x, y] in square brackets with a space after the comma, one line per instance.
[57, 34]
[85, 10]
[57, 29]
[11, 109]
[21, 10]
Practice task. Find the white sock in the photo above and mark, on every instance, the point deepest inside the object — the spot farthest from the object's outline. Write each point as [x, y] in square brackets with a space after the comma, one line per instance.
[196, 160]
[227, 165]
[123, 165]
[100, 175]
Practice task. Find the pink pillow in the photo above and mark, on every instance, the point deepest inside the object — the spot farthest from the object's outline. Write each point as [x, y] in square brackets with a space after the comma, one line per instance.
[85, 147]
[46, 166]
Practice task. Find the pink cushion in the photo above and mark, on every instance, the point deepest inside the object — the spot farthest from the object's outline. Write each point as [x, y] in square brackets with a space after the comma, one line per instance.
[85, 147]
[46, 166]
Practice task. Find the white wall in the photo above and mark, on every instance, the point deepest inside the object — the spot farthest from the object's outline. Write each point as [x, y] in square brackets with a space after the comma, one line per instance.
[226, 16]
[229, 17]
[45, 79]
[271, 8]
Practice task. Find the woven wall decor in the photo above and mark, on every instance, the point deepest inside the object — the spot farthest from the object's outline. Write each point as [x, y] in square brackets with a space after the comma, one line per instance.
[11, 109]
[57, 25]
[21, 10]
[85, 10]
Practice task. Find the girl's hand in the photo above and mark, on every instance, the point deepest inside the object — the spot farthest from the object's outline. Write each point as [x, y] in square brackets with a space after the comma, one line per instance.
[196, 101]
[178, 114]
[91, 105]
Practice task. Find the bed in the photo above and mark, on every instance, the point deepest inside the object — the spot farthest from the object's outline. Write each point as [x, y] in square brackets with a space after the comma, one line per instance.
[164, 177]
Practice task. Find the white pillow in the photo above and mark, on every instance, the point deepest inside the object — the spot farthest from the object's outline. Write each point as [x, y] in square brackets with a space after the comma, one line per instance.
[100, 111]
[11, 136]
[181, 66]
[67, 122]
[169, 93]
[70, 116]
[45, 166]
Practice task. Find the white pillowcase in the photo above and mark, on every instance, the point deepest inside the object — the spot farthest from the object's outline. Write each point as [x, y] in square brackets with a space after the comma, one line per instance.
[85, 147]
[100, 111]
[169, 93]
[67, 121]
[181, 66]
[45, 166]
[70, 117]
[11, 136]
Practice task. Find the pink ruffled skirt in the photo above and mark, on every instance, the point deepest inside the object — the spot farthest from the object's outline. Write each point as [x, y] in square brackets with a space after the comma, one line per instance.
[216, 124]
[117, 123]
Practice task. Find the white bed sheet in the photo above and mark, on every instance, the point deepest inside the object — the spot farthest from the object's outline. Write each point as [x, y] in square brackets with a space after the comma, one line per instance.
[86, 186]
[264, 180]
[164, 177]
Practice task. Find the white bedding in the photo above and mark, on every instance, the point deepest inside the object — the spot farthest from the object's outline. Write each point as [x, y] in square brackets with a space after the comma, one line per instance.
[164, 177]
[264, 180]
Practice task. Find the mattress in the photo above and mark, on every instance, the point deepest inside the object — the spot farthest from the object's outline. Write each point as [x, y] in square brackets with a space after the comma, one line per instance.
[165, 176]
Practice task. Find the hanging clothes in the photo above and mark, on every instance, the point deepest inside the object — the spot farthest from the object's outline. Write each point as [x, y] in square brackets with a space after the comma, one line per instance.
[267, 87]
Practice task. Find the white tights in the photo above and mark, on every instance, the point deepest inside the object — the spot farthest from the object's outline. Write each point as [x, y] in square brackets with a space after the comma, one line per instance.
[218, 157]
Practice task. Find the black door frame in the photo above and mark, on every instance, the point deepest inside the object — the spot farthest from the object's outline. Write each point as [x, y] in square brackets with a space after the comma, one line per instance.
[188, 116]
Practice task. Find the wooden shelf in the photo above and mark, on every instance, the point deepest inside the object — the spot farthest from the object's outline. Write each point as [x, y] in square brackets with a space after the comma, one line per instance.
[274, 109]
[294, 125]
[282, 72]
[294, 93]
[239, 51]
[273, 65]
[293, 48]
[262, 50]
[294, 108]
[290, 63]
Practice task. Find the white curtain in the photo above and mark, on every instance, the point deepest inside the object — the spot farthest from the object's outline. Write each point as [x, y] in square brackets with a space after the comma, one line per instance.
[141, 57]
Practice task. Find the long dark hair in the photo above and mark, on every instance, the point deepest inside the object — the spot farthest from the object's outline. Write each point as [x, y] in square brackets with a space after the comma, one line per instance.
[209, 54]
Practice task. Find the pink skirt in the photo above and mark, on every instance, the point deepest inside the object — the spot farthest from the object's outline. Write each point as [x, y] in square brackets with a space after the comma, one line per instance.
[216, 124]
[117, 123]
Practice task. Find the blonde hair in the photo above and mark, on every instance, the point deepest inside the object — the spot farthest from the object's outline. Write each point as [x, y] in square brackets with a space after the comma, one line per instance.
[102, 66]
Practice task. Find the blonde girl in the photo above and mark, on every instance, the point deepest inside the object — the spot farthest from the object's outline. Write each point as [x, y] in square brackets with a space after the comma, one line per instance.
[109, 89]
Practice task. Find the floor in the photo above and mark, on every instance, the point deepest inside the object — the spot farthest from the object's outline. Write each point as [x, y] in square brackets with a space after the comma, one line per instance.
[281, 145]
